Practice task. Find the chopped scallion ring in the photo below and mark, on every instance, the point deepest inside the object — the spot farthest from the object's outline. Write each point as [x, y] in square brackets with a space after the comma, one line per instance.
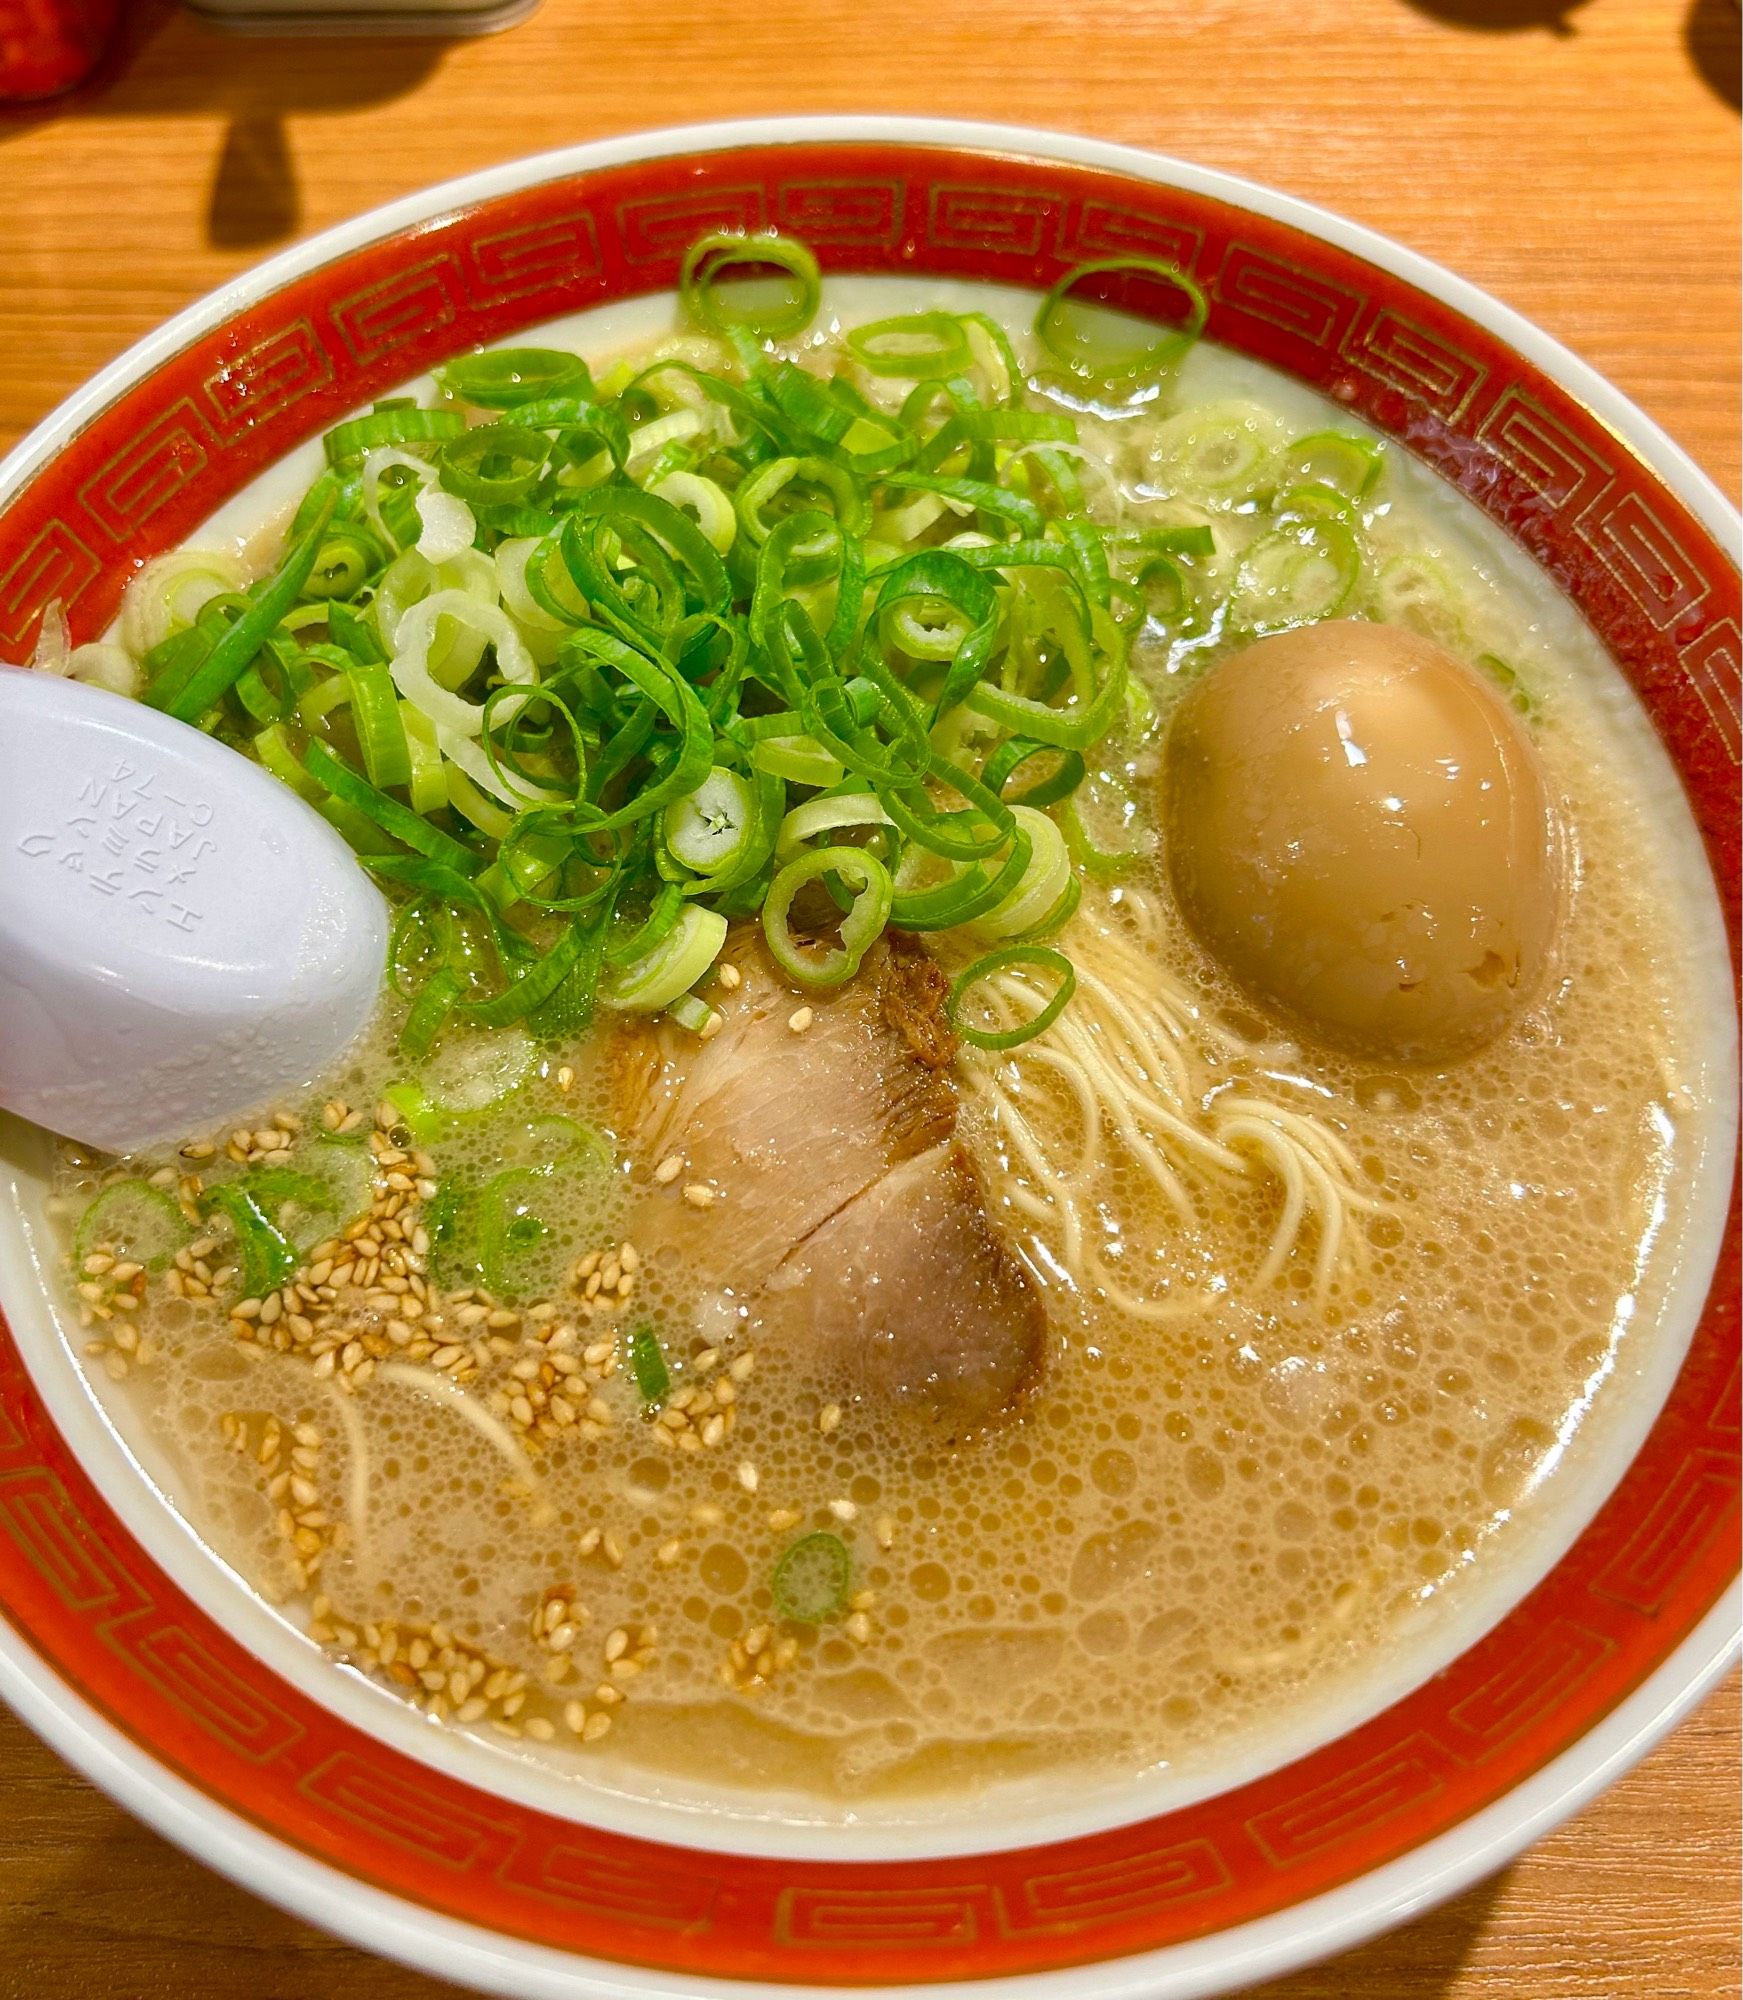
[1066, 327]
[709, 829]
[133, 1220]
[670, 967]
[1043, 882]
[813, 1578]
[1032, 957]
[865, 919]
[914, 346]
[829, 815]
[1295, 575]
[1349, 465]
[715, 257]
[506, 377]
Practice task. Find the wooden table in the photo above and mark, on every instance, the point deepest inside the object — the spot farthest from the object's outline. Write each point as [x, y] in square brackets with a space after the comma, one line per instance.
[1577, 157]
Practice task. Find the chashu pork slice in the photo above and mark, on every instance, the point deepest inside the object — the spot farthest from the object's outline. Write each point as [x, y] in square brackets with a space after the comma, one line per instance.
[846, 1217]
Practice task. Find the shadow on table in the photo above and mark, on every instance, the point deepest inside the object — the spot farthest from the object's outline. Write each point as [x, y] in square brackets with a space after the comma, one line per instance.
[1504, 16]
[164, 64]
[1713, 35]
[1422, 1959]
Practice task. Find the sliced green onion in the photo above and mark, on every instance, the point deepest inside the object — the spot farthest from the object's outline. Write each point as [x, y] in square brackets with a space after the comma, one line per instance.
[801, 760]
[388, 814]
[426, 779]
[1314, 502]
[506, 377]
[273, 748]
[708, 500]
[169, 593]
[1107, 864]
[672, 967]
[1218, 452]
[829, 815]
[1042, 884]
[723, 255]
[648, 1364]
[860, 927]
[268, 1255]
[1033, 957]
[519, 1241]
[346, 443]
[435, 1002]
[813, 1579]
[709, 829]
[1348, 465]
[135, 1222]
[1085, 342]
[691, 1011]
[188, 694]
[477, 1074]
[1506, 678]
[1295, 575]
[1415, 591]
[914, 346]
[375, 714]
[1168, 592]
[344, 563]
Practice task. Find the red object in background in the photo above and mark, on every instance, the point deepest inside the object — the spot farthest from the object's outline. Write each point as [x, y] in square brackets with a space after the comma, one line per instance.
[47, 46]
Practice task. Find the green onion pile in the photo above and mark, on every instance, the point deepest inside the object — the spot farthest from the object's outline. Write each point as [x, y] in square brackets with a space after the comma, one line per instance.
[585, 671]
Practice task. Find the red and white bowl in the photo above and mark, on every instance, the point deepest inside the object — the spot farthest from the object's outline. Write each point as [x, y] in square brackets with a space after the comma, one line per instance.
[138, 1657]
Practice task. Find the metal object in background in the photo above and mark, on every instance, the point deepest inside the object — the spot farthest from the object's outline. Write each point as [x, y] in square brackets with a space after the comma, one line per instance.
[359, 17]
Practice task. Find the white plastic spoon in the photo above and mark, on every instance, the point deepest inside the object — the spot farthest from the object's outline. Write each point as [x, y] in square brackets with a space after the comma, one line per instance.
[181, 936]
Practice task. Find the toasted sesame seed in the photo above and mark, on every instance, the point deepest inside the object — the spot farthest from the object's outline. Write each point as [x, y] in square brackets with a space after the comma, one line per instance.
[844, 1510]
[669, 1169]
[829, 1418]
[800, 1019]
[747, 1476]
[699, 1195]
[730, 977]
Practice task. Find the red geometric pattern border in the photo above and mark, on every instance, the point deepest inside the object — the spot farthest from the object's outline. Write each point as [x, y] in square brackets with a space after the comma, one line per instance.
[1660, 592]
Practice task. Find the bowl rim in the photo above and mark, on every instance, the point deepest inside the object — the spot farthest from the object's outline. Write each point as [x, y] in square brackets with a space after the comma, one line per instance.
[1585, 1765]
[1222, 1962]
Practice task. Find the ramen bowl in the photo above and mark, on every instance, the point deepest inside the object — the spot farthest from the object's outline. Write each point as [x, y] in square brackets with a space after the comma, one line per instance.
[146, 1662]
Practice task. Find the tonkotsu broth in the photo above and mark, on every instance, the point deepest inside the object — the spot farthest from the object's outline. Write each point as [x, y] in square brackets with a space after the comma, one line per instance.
[1189, 1529]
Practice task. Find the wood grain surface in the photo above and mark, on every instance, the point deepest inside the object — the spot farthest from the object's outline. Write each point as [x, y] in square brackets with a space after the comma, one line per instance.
[1577, 157]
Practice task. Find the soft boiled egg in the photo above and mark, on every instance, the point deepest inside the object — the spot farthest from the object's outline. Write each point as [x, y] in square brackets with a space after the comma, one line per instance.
[1359, 829]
